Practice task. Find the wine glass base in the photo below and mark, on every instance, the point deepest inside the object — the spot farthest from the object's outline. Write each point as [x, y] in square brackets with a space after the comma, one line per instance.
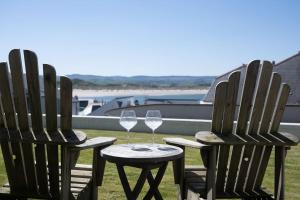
[140, 148]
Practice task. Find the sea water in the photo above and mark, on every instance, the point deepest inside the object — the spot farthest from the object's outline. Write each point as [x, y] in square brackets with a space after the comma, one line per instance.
[141, 98]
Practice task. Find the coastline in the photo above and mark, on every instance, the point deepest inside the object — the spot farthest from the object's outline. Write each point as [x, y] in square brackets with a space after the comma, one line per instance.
[132, 92]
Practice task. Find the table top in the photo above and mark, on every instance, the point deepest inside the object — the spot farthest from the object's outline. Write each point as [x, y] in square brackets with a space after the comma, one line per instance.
[141, 153]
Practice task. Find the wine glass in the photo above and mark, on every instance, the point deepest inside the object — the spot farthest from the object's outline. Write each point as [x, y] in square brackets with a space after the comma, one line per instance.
[128, 120]
[153, 120]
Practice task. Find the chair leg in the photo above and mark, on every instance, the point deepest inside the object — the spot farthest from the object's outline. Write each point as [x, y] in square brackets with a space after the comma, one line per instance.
[211, 173]
[98, 172]
[94, 188]
[178, 170]
[65, 173]
[280, 153]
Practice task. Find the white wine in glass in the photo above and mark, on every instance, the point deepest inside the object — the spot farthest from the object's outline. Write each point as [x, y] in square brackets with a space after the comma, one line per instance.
[128, 120]
[153, 120]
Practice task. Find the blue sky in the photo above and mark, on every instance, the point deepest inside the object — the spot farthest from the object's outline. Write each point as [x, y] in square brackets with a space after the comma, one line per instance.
[151, 37]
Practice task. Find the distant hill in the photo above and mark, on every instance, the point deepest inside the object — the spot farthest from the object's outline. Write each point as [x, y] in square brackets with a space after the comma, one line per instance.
[93, 82]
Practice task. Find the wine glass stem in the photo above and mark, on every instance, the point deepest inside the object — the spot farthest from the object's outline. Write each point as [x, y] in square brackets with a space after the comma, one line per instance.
[152, 137]
[127, 136]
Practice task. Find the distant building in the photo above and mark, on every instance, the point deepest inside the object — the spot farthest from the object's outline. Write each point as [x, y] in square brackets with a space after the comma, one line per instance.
[289, 69]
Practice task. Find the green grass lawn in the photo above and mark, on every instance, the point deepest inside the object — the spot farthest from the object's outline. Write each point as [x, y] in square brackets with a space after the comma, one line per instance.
[112, 188]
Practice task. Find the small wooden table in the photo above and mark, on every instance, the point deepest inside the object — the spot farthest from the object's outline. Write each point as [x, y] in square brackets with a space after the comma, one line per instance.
[145, 157]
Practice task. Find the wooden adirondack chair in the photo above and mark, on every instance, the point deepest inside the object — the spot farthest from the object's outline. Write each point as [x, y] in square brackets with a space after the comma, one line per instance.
[31, 153]
[236, 157]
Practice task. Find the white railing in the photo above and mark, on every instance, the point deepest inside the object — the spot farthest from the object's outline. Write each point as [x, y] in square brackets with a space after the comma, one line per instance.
[169, 126]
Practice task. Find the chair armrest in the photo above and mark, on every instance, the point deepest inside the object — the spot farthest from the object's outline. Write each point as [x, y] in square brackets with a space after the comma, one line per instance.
[272, 139]
[95, 142]
[183, 142]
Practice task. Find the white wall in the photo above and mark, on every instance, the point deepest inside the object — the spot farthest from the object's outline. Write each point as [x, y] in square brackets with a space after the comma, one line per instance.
[169, 126]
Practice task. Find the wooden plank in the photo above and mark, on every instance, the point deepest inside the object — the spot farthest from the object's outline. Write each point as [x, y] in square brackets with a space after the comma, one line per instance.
[21, 109]
[271, 103]
[255, 116]
[7, 103]
[32, 75]
[97, 173]
[99, 166]
[51, 103]
[279, 182]
[11, 123]
[217, 118]
[66, 103]
[280, 107]
[51, 121]
[227, 128]
[219, 106]
[19, 90]
[65, 172]
[247, 96]
[230, 102]
[275, 123]
[242, 120]
[178, 172]
[260, 97]
[183, 142]
[260, 155]
[95, 142]
[72, 137]
[52, 151]
[3, 132]
[278, 139]
[9, 164]
[6, 149]
[50, 98]
[211, 174]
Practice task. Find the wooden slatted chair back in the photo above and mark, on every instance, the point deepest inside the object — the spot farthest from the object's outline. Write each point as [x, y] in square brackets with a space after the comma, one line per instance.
[30, 153]
[241, 168]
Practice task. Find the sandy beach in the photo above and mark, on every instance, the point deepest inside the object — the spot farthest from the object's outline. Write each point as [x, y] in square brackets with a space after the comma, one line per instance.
[89, 93]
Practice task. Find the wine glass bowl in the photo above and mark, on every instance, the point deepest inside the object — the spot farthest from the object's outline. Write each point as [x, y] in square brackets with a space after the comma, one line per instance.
[128, 120]
[153, 120]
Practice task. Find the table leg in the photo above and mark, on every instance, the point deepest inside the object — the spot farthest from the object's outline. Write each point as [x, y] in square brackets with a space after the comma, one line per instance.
[178, 169]
[132, 194]
[145, 174]
[154, 183]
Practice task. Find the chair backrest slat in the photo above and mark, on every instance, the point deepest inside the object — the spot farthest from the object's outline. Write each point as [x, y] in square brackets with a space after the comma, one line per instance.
[51, 119]
[230, 106]
[9, 111]
[50, 98]
[32, 75]
[247, 94]
[15, 64]
[66, 108]
[268, 111]
[21, 109]
[280, 107]
[33, 85]
[242, 121]
[258, 99]
[7, 103]
[270, 103]
[219, 106]
[6, 148]
[227, 127]
[276, 118]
